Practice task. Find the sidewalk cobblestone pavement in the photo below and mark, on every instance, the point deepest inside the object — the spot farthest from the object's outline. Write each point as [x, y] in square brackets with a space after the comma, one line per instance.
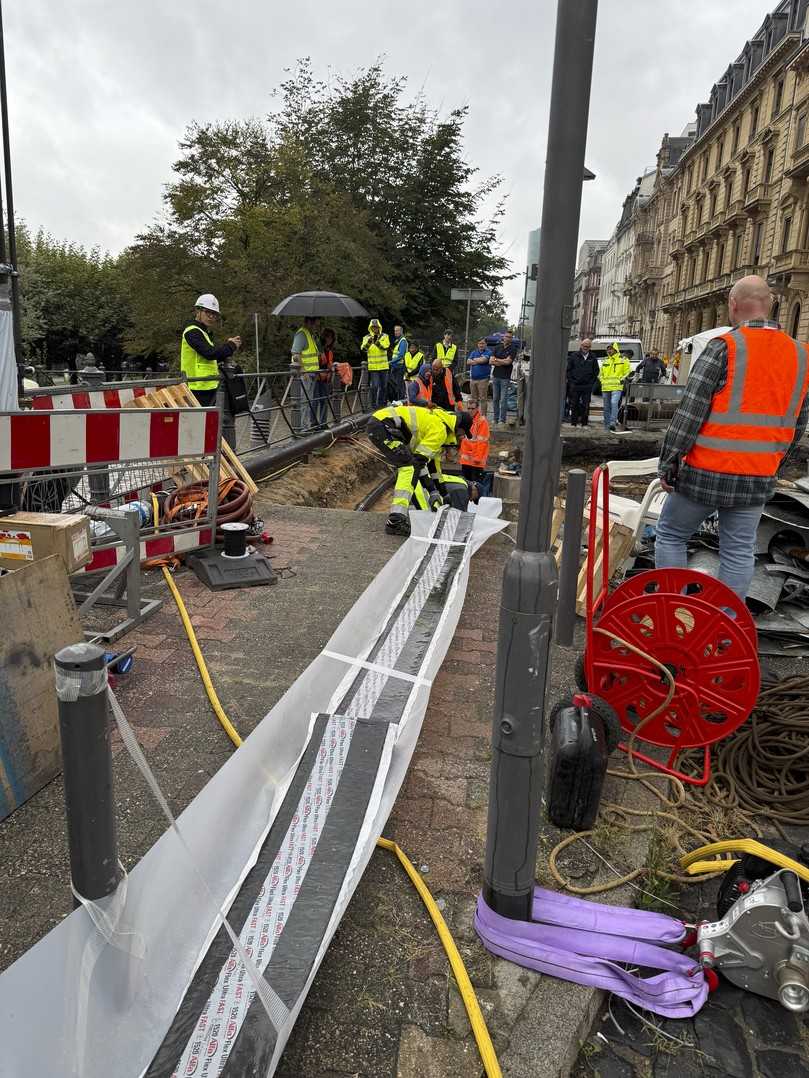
[383, 1004]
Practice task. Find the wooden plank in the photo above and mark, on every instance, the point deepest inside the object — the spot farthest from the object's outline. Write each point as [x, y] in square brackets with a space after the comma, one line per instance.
[180, 396]
[39, 618]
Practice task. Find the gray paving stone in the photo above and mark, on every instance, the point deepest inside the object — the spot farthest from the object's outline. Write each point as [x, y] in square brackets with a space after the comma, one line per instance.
[781, 1065]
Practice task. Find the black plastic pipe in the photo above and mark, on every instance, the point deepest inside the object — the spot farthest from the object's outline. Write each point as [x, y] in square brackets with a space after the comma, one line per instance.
[264, 462]
[81, 689]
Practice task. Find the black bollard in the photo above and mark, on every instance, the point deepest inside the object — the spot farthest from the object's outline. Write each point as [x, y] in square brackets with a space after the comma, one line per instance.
[81, 688]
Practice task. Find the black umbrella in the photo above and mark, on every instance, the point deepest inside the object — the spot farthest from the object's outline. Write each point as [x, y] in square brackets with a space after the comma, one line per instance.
[317, 304]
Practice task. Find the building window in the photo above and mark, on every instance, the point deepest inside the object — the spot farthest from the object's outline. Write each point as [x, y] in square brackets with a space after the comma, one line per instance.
[757, 243]
[700, 211]
[677, 274]
[705, 164]
[691, 268]
[737, 130]
[786, 228]
[712, 211]
[745, 182]
[800, 129]
[689, 179]
[705, 265]
[728, 191]
[768, 165]
[720, 152]
[737, 252]
[753, 121]
[796, 319]
[779, 93]
[720, 259]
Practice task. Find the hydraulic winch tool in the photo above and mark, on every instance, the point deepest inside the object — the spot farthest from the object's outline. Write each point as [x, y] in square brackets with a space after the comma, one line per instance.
[761, 940]
[672, 651]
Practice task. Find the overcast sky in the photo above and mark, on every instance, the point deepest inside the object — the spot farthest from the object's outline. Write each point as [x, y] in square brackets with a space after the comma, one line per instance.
[100, 92]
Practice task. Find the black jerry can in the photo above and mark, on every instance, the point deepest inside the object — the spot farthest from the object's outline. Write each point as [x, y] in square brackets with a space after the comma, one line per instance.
[576, 769]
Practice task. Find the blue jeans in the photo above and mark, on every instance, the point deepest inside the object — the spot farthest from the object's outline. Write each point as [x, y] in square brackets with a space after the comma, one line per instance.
[321, 395]
[378, 381]
[681, 517]
[500, 398]
[611, 399]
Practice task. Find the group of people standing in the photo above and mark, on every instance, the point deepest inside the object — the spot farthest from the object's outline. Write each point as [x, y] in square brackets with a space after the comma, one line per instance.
[584, 372]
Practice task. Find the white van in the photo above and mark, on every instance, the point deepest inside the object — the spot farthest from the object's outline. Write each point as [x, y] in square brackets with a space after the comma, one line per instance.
[630, 346]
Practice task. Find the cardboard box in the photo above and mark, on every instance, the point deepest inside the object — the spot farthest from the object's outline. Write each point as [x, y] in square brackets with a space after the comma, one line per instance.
[27, 537]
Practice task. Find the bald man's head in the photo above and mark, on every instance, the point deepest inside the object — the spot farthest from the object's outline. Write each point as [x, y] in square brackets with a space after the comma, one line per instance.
[749, 298]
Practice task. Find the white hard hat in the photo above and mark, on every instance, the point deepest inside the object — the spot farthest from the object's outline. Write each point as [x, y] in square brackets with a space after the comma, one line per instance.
[208, 303]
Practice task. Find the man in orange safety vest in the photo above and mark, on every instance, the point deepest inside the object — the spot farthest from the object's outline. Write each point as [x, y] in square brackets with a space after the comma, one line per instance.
[473, 451]
[744, 409]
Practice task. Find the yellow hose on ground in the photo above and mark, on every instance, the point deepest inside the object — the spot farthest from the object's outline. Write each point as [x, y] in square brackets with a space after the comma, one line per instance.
[476, 1020]
[219, 711]
[691, 862]
[470, 1001]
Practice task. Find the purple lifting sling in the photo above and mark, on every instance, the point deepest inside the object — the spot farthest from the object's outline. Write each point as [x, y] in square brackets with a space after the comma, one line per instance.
[590, 943]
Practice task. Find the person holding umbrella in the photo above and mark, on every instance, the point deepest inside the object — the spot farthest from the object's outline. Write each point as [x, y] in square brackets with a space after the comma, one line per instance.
[375, 344]
[306, 355]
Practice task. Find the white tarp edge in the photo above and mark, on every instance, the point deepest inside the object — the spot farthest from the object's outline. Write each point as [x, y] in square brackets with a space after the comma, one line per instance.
[76, 1005]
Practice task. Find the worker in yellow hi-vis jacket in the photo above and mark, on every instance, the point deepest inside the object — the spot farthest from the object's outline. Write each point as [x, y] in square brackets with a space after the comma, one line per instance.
[413, 439]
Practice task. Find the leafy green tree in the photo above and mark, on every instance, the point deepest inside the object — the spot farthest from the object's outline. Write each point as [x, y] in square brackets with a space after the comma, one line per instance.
[71, 300]
[250, 221]
[406, 168]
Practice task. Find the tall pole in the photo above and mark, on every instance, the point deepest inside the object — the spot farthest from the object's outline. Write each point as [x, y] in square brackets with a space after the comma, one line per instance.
[255, 323]
[530, 578]
[12, 240]
[466, 332]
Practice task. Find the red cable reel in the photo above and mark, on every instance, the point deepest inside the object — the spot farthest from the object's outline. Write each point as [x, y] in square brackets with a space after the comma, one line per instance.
[692, 624]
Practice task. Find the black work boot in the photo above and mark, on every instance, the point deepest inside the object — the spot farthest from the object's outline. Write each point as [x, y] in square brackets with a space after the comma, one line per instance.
[397, 524]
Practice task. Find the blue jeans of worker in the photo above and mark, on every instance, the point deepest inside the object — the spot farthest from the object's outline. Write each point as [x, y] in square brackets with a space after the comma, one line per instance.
[611, 399]
[681, 517]
[500, 398]
[378, 381]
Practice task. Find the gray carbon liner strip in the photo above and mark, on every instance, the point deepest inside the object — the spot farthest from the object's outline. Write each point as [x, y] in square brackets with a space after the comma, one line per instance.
[284, 906]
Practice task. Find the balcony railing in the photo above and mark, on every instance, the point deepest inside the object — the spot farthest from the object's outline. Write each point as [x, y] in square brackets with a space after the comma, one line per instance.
[758, 198]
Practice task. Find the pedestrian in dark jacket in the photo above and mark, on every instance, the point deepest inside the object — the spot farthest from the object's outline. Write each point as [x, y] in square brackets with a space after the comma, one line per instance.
[582, 374]
[652, 369]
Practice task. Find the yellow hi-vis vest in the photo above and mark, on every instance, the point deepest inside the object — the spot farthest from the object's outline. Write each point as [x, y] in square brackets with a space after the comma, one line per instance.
[446, 355]
[377, 353]
[430, 431]
[310, 356]
[413, 363]
[193, 365]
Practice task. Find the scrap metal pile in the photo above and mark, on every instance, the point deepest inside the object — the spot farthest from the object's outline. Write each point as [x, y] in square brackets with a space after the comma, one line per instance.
[779, 594]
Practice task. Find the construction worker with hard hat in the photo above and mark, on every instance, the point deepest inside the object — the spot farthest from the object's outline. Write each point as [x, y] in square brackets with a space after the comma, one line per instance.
[413, 438]
[199, 356]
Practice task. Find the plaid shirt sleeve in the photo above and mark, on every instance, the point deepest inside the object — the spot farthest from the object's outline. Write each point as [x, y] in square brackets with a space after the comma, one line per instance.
[708, 376]
[800, 430]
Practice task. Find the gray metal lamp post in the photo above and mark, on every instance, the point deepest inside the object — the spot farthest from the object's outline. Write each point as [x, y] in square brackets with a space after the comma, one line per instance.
[530, 579]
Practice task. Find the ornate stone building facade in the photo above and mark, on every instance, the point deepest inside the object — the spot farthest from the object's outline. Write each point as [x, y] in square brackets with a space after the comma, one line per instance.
[586, 286]
[733, 199]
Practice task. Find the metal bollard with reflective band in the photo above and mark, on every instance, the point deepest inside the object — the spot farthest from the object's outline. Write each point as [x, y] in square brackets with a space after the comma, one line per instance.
[81, 689]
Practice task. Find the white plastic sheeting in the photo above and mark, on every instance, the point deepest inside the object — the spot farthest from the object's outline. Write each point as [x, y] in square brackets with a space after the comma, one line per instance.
[8, 363]
[94, 1005]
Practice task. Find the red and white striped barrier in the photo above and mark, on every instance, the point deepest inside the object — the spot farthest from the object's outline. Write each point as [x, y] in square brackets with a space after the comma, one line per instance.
[69, 438]
[156, 547]
[83, 398]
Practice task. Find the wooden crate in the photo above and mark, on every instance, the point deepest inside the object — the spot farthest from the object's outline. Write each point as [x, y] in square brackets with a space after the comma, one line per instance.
[180, 396]
[621, 540]
[39, 619]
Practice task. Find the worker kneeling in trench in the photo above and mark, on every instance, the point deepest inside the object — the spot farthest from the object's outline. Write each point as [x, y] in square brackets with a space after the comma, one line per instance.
[413, 439]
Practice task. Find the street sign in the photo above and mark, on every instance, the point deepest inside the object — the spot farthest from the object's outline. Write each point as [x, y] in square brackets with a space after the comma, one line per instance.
[474, 295]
